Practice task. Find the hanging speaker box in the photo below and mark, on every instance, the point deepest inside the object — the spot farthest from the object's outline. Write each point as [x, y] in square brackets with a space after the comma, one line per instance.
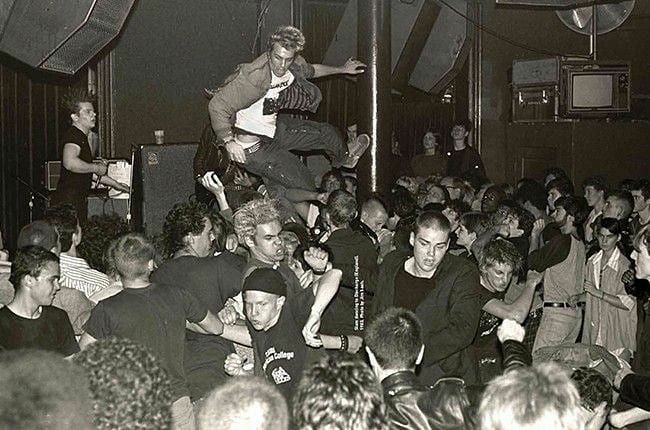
[59, 35]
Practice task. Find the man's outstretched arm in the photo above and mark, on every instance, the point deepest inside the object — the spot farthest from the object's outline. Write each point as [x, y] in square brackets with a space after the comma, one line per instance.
[350, 67]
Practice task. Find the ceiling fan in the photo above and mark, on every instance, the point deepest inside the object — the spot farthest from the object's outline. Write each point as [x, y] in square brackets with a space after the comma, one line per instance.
[589, 17]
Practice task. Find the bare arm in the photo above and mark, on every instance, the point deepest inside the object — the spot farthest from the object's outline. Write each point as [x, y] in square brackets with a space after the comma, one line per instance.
[350, 67]
[324, 289]
[73, 163]
[107, 180]
[517, 310]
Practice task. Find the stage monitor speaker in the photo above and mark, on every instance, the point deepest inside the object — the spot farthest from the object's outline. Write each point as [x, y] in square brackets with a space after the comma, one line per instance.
[429, 42]
[61, 35]
[162, 177]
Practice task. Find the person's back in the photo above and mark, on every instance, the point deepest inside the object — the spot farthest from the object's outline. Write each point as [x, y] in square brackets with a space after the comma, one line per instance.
[395, 347]
[355, 255]
[212, 281]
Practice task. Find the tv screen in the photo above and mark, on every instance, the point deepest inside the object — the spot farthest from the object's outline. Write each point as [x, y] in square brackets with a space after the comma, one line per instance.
[592, 91]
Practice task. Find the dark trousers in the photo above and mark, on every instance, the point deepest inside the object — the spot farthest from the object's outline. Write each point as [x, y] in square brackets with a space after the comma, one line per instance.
[279, 168]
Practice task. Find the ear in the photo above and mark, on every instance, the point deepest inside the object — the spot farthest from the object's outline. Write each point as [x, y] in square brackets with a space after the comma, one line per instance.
[151, 266]
[249, 242]
[281, 300]
[76, 236]
[420, 356]
[231, 243]
[412, 239]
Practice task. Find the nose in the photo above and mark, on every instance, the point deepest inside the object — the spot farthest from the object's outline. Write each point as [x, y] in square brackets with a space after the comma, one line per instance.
[634, 255]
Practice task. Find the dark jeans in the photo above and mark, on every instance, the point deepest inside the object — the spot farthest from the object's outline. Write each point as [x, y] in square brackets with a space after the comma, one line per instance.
[279, 168]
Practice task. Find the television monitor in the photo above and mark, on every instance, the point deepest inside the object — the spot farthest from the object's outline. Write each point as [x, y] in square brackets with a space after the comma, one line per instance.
[595, 90]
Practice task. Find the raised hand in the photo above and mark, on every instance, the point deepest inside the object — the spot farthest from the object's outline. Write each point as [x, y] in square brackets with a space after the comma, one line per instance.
[316, 258]
[353, 67]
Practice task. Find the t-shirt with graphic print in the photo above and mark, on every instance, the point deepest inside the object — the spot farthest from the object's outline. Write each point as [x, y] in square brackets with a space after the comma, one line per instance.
[259, 118]
[280, 352]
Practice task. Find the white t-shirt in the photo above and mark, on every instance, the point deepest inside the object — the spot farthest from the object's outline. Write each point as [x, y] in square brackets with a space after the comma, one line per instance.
[252, 118]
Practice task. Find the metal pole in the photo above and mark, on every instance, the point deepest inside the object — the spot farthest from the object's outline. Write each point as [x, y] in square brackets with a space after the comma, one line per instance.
[594, 32]
[374, 93]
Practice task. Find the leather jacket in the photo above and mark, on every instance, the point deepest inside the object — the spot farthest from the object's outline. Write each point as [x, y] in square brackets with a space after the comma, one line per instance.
[401, 394]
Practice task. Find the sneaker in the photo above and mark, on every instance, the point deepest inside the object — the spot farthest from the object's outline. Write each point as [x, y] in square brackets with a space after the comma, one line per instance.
[356, 148]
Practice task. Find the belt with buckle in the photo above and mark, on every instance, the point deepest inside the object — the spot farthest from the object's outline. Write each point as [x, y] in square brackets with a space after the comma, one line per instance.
[253, 148]
[556, 305]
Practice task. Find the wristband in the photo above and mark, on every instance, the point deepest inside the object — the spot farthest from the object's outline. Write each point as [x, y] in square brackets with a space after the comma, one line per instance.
[344, 342]
[319, 272]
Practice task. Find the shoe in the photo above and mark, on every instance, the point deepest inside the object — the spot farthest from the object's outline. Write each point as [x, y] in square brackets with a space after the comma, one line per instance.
[356, 148]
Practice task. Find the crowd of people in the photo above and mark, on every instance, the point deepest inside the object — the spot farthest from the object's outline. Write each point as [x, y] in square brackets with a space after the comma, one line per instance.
[446, 302]
[410, 310]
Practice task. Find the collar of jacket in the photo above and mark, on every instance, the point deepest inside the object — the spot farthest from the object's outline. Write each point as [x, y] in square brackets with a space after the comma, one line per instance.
[400, 382]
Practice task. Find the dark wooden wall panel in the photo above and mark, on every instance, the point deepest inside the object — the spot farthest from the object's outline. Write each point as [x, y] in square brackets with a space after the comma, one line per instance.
[30, 126]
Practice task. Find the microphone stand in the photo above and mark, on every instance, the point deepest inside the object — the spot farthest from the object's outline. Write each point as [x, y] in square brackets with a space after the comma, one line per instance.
[32, 193]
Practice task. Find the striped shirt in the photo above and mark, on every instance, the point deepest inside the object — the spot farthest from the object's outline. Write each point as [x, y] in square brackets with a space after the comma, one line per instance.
[77, 274]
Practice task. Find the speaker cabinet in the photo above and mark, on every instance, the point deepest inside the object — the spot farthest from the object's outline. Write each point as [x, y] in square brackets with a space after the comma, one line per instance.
[429, 41]
[162, 177]
[62, 35]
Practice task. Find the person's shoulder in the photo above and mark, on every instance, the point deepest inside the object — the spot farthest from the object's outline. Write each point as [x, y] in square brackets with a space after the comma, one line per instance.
[257, 70]
[395, 258]
[53, 312]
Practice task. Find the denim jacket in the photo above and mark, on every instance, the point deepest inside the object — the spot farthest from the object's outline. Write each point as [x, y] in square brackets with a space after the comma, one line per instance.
[250, 82]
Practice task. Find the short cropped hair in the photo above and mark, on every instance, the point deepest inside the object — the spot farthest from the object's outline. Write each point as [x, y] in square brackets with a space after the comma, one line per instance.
[574, 206]
[563, 186]
[540, 397]
[642, 185]
[432, 219]
[65, 220]
[244, 403]
[132, 254]
[42, 390]
[593, 387]
[597, 182]
[339, 392]
[613, 225]
[288, 37]
[500, 251]
[465, 122]
[395, 338]
[475, 222]
[40, 233]
[73, 97]
[624, 199]
[29, 260]
[181, 220]
[341, 207]
[129, 388]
